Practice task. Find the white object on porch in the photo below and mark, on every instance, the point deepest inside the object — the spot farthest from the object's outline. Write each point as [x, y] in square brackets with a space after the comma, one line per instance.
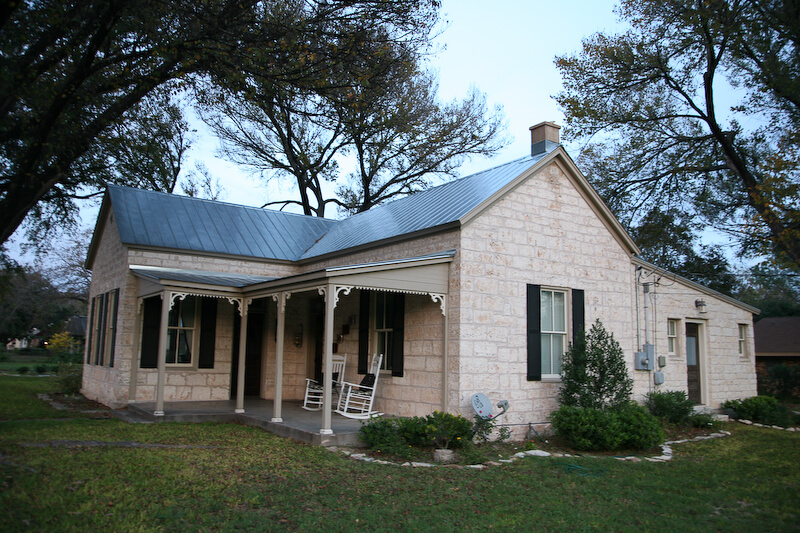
[315, 390]
[355, 399]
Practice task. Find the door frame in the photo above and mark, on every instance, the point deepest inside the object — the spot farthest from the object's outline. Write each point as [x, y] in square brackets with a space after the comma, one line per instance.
[702, 359]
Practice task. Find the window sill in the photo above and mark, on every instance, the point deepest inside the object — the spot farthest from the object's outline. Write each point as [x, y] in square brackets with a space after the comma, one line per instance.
[551, 380]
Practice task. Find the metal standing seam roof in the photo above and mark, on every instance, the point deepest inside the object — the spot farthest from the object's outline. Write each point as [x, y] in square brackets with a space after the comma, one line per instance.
[148, 218]
[198, 276]
[433, 207]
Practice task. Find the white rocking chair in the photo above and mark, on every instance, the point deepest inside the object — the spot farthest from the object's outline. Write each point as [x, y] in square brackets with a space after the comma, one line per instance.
[315, 390]
[355, 400]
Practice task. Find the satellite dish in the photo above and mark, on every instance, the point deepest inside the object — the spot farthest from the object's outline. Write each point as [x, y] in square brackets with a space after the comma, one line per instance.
[482, 405]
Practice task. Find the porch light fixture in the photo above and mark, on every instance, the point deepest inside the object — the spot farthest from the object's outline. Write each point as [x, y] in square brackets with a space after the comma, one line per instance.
[701, 306]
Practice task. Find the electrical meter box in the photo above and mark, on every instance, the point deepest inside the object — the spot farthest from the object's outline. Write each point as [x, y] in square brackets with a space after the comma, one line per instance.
[645, 360]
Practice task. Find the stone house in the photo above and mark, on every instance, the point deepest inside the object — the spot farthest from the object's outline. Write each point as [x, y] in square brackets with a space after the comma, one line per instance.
[477, 285]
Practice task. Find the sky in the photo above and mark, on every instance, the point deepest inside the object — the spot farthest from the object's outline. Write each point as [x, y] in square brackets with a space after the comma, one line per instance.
[505, 48]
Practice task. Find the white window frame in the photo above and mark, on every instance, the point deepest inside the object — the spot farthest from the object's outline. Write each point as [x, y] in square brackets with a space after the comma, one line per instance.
[554, 331]
[194, 329]
[742, 333]
[672, 336]
[381, 330]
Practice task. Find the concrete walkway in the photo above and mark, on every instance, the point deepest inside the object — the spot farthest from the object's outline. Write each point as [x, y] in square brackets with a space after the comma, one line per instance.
[297, 424]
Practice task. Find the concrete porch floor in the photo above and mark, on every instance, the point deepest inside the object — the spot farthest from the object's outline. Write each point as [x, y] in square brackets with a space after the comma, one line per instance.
[297, 424]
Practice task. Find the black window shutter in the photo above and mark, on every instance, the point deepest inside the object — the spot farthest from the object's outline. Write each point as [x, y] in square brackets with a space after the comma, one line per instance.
[363, 332]
[102, 319]
[398, 334]
[534, 333]
[112, 344]
[89, 328]
[578, 314]
[208, 332]
[151, 326]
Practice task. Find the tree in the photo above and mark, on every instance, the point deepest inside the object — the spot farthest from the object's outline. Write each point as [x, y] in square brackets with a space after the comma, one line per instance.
[593, 372]
[403, 138]
[774, 291]
[71, 71]
[650, 102]
[31, 302]
[389, 127]
[668, 241]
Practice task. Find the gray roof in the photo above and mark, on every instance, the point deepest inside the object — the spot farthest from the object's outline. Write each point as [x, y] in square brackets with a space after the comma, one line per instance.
[437, 206]
[154, 219]
[149, 218]
[198, 276]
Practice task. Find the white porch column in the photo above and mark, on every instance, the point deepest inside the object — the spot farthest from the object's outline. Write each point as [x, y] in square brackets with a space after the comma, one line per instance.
[166, 305]
[442, 299]
[242, 346]
[327, 342]
[279, 341]
[136, 354]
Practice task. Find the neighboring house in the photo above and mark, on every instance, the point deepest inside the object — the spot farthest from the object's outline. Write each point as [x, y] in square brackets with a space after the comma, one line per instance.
[777, 342]
[477, 285]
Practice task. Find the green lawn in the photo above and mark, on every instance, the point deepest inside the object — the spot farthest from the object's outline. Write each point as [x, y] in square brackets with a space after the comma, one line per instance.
[85, 474]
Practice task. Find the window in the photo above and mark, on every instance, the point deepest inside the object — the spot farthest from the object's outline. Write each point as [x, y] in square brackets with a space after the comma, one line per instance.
[384, 326]
[554, 331]
[381, 330]
[181, 331]
[743, 340]
[102, 329]
[191, 332]
[672, 337]
[551, 315]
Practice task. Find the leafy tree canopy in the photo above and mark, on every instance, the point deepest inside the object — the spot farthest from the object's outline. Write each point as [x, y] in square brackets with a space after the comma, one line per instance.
[651, 105]
[76, 76]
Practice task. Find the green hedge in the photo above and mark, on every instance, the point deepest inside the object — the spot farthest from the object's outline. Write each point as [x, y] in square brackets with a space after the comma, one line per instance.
[626, 427]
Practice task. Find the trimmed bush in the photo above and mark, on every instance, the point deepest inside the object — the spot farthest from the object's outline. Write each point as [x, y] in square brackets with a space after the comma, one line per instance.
[626, 427]
[446, 430]
[762, 409]
[383, 435]
[671, 406]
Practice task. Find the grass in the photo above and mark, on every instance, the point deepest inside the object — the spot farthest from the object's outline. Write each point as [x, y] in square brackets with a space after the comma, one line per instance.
[54, 476]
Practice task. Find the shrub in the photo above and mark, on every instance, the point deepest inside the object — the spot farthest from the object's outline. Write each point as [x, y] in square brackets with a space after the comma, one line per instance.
[446, 429]
[22, 369]
[42, 369]
[671, 406]
[70, 378]
[762, 409]
[593, 371]
[627, 426]
[414, 431]
[383, 435]
[483, 428]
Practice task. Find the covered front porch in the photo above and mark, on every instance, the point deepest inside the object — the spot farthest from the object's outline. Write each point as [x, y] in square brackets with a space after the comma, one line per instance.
[315, 299]
[297, 424]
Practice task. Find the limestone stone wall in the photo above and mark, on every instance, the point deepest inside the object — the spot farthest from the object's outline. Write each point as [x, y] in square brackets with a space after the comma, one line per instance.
[542, 233]
[106, 384]
[724, 373]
